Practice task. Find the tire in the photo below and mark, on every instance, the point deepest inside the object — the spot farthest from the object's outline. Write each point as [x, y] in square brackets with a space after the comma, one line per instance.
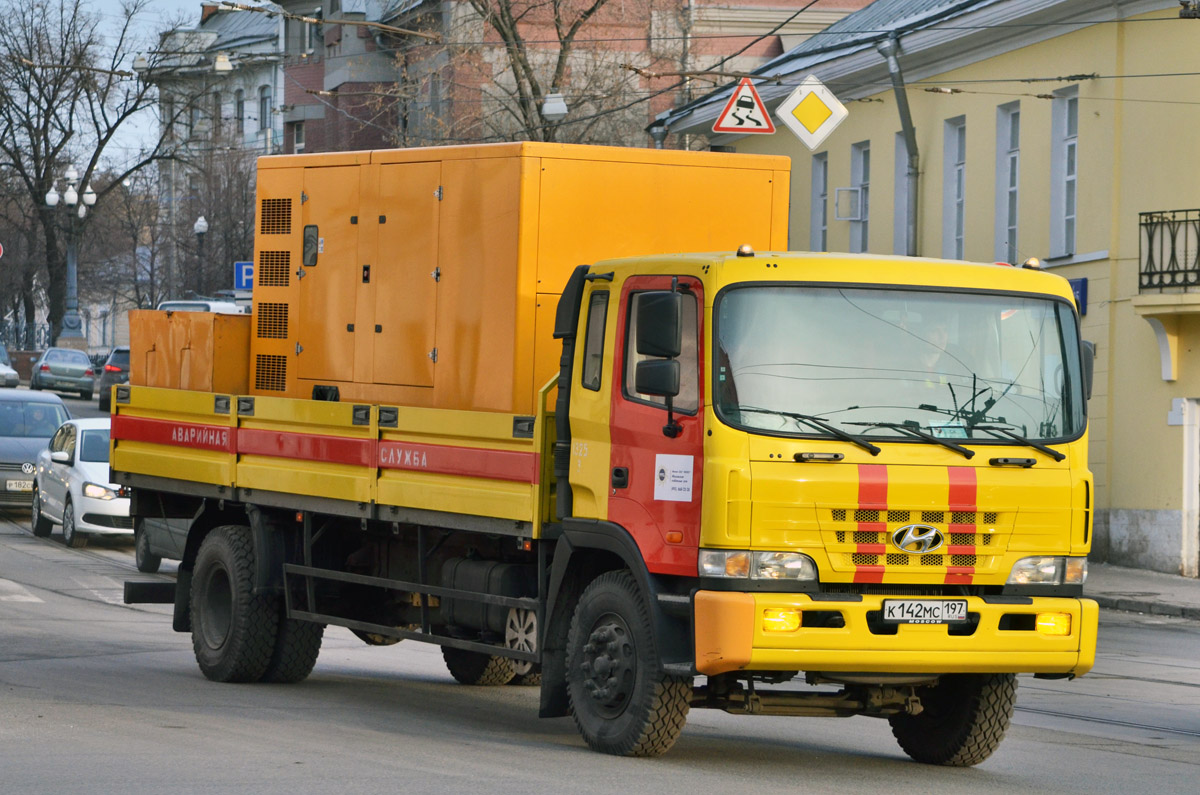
[71, 535]
[86, 395]
[297, 645]
[521, 632]
[963, 720]
[105, 402]
[233, 631]
[42, 527]
[475, 668]
[622, 702]
[147, 561]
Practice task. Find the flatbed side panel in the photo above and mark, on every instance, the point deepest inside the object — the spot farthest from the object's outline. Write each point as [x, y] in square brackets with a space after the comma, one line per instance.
[470, 462]
[187, 435]
[310, 447]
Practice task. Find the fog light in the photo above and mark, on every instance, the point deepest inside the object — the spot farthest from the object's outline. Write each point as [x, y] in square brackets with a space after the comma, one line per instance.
[1054, 623]
[775, 620]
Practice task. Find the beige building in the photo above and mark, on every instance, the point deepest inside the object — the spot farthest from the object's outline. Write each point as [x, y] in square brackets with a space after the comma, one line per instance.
[1057, 130]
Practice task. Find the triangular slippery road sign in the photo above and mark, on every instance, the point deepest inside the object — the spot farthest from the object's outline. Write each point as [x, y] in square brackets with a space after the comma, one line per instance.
[744, 112]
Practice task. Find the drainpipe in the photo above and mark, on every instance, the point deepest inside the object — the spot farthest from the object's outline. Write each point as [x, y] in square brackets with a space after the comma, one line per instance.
[889, 48]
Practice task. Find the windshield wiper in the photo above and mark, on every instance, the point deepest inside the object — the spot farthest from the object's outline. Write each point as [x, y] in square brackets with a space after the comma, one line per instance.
[817, 422]
[914, 430]
[1041, 448]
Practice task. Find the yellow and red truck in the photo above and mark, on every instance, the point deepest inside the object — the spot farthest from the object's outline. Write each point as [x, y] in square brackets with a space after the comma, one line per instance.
[476, 405]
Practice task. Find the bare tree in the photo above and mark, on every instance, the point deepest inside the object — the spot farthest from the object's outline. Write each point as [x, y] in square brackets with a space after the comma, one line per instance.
[508, 56]
[64, 95]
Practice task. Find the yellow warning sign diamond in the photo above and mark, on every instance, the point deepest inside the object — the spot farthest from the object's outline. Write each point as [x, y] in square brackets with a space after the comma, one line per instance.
[812, 112]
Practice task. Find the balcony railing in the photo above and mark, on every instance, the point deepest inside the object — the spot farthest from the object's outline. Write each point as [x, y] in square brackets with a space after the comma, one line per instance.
[1169, 248]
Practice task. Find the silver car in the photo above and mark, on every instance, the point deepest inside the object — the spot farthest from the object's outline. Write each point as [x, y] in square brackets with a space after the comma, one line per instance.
[27, 421]
[64, 370]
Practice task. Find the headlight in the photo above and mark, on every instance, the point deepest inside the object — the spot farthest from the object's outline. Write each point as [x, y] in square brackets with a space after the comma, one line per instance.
[1049, 571]
[790, 566]
[98, 492]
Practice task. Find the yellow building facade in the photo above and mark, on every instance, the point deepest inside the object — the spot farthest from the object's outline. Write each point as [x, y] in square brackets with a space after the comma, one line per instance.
[1059, 131]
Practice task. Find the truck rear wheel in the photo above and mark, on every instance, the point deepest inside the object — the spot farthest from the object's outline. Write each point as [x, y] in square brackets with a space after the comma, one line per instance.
[621, 700]
[296, 648]
[520, 632]
[476, 668]
[233, 631]
[963, 720]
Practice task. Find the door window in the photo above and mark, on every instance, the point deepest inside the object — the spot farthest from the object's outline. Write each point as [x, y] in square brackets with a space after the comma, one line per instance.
[593, 346]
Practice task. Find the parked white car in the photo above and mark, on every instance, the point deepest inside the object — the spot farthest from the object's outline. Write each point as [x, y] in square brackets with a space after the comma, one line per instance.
[71, 488]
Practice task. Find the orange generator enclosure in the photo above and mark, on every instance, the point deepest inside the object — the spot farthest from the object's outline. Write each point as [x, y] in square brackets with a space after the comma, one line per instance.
[430, 277]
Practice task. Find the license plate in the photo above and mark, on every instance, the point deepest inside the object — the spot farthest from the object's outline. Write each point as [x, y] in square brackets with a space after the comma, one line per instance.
[19, 485]
[924, 611]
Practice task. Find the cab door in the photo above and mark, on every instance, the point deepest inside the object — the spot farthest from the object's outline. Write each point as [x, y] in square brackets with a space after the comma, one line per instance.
[54, 480]
[656, 478]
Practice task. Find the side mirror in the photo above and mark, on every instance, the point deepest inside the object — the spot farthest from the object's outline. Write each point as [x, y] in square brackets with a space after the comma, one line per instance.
[1087, 355]
[60, 457]
[657, 377]
[659, 325]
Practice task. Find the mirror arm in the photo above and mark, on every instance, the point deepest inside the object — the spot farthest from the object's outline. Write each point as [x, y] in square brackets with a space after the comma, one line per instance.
[672, 428]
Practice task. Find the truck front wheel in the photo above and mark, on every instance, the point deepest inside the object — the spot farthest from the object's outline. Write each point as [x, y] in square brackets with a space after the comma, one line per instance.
[233, 631]
[621, 700]
[963, 720]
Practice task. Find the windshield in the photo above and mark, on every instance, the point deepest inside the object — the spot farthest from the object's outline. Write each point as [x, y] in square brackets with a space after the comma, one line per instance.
[94, 446]
[885, 362]
[30, 419]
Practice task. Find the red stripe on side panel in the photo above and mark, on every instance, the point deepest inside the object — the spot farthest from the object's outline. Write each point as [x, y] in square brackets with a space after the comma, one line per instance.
[198, 436]
[306, 447]
[471, 462]
[963, 496]
[872, 496]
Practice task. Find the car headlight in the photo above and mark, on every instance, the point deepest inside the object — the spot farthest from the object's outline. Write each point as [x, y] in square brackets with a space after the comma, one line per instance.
[1049, 571]
[98, 492]
[789, 566]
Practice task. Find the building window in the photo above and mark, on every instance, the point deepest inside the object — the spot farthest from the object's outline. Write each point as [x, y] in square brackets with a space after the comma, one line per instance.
[216, 114]
[1064, 130]
[168, 118]
[298, 137]
[1008, 177]
[819, 206]
[264, 108]
[239, 111]
[954, 186]
[193, 121]
[860, 178]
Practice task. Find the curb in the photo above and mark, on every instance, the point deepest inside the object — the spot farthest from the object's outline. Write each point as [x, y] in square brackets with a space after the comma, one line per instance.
[1144, 606]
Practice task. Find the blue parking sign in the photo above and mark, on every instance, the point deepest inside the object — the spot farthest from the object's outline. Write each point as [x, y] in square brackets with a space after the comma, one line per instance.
[243, 275]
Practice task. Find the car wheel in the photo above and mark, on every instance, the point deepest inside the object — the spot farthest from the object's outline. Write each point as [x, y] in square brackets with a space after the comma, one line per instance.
[147, 561]
[41, 525]
[34, 385]
[71, 535]
[105, 403]
[86, 395]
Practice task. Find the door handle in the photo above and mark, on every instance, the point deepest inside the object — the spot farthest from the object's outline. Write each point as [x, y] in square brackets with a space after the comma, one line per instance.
[620, 477]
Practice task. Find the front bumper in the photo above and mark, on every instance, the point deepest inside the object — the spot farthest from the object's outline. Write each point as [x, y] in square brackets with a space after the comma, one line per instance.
[729, 636]
[104, 517]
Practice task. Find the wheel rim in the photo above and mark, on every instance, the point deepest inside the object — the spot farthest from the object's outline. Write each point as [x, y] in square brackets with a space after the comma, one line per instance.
[609, 665]
[216, 617]
[520, 633]
[69, 523]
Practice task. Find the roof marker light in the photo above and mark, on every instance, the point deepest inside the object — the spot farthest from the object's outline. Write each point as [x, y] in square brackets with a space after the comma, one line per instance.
[745, 250]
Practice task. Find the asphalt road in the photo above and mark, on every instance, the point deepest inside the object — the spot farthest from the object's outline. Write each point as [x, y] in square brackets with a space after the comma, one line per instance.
[97, 696]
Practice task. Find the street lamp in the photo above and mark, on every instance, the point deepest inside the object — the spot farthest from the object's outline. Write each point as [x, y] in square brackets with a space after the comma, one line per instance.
[72, 327]
[200, 228]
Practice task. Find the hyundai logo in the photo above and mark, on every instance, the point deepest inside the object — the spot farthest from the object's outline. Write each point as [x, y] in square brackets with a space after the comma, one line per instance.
[917, 538]
[28, 468]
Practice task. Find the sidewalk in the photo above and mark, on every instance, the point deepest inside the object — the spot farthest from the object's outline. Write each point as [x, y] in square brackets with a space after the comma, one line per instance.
[1141, 591]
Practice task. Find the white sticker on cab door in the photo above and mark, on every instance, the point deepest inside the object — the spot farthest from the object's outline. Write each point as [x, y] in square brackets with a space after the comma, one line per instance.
[673, 478]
